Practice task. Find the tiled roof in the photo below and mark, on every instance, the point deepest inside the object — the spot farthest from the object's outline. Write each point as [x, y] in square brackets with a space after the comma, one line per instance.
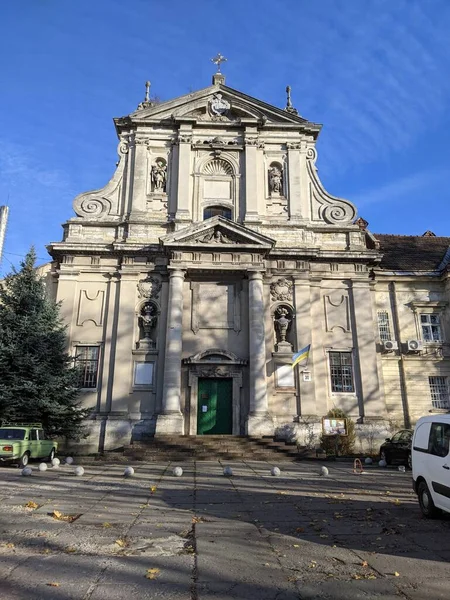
[412, 252]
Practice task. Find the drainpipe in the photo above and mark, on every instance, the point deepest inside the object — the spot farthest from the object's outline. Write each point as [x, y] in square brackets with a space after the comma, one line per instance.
[401, 362]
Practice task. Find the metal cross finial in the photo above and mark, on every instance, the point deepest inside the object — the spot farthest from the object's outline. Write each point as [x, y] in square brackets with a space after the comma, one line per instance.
[147, 91]
[288, 91]
[218, 60]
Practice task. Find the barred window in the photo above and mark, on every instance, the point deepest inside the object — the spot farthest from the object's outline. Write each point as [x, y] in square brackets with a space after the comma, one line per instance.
[439, 392]
[86, 361]
[341, 369]
[431, 328]
[384, 328]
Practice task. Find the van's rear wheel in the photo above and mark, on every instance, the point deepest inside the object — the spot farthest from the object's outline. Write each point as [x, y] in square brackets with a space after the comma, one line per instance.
[24, 460]
[426, 502]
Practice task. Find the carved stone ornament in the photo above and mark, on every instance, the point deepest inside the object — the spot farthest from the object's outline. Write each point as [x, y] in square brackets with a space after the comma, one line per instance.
[149, 287]
[215, 237]
[213, 371]
[219, 106]
[184, 138]
[293, 145]
[281, 290]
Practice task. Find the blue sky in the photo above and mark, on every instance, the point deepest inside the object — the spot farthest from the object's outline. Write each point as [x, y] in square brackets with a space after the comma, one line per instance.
[374, 72]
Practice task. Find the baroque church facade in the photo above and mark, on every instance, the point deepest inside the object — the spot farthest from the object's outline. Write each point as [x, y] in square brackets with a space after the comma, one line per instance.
[212, 255]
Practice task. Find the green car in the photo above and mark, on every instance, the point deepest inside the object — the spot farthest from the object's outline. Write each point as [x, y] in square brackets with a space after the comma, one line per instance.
[22, 442]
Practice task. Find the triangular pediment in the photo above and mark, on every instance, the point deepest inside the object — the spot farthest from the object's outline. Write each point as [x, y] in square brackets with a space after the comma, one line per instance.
[217, 232]
[220, 103]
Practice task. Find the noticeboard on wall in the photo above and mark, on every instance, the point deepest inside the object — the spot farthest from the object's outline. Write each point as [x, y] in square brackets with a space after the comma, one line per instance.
[332, 426]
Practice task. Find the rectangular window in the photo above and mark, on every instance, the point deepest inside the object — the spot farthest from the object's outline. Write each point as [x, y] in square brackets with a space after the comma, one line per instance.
[431, 327]
[86, 361]
[439, 392]
[341, 370]
[384, 328]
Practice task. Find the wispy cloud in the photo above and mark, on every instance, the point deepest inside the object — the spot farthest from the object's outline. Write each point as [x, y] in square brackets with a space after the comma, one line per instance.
[396, 191]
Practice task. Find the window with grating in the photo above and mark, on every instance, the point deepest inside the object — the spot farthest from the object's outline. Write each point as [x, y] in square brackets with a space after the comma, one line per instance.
[439, 392]
[341, 370]
[86, 362]
[384, 327]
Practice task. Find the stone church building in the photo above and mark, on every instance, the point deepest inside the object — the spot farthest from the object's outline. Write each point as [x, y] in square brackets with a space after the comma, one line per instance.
[212, 255]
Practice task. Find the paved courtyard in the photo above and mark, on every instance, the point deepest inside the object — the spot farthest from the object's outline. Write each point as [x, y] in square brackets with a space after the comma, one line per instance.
[206, 536]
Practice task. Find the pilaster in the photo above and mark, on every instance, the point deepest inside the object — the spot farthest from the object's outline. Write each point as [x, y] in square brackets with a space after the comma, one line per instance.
[371, 404]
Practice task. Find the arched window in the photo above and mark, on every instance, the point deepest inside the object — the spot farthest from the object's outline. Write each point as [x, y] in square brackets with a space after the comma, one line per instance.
[213, 211]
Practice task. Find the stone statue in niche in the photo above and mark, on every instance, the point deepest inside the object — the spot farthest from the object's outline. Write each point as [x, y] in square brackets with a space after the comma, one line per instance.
[147, 321]
[159, 176]
[282, 322]
[275, 180]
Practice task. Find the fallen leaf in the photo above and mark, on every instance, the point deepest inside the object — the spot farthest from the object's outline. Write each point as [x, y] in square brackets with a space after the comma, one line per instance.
[152, 573]
[122, 542]
[106, 525]
[59, 516]
[153, 489]
[31, 504]
[296, 546]
[364, 563]
[52, 584]
[70, 550]
[396, 574]
[299, 530]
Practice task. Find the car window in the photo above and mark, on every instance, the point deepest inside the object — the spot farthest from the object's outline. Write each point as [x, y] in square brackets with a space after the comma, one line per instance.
[12, 434]
[439, 441]
[406, 436]
[396, 437]
[33, 434]
[42, 435]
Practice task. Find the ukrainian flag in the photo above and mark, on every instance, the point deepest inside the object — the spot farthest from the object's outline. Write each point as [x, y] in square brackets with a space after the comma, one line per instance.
[301, 355]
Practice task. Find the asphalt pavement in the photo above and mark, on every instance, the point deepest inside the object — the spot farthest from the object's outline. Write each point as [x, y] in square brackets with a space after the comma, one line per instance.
[206, 536]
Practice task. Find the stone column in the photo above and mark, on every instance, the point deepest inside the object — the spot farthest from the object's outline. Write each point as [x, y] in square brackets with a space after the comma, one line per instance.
[371, 404]
[259, 422]
[171, 420]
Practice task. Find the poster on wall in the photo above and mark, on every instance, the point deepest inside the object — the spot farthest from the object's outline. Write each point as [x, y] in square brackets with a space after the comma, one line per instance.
[334, 426]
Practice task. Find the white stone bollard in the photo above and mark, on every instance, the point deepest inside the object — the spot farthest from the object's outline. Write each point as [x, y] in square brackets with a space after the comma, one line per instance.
[69, 460]
[177, 472]
[42, 467]
[79, 471]
[129, 472]
[26, 471]
[382, 463]
[368, 461]
[228, 472]
[56, 462]
[275, 472]
[323, 472]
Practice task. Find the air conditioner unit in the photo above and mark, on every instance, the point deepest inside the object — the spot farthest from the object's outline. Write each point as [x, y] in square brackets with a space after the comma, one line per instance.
[390, 345]
[414, 345]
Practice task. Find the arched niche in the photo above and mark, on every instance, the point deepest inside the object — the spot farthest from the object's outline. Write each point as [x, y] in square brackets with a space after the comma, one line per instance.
[216, 183]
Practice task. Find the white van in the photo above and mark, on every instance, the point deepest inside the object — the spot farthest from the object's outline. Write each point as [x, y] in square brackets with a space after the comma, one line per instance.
[431, 463]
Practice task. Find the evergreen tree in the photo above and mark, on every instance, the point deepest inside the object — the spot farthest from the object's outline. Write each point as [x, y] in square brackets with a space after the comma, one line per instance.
[37, 381]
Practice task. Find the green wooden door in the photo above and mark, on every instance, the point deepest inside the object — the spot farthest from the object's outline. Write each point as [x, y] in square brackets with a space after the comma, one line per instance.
[214, 412]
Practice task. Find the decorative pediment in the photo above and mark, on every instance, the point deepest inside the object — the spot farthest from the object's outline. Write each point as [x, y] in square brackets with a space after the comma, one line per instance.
[217, 232]
[219, 103]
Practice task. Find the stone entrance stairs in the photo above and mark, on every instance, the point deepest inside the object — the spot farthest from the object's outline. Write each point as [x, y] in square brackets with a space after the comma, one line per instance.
[210, 447]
